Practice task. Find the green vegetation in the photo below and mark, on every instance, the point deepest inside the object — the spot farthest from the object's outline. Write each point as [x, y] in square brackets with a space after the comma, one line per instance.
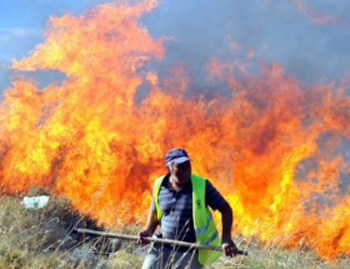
[31, 238]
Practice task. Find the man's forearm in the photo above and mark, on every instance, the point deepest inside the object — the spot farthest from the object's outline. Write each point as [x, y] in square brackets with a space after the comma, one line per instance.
[227, 220]
[152, 221]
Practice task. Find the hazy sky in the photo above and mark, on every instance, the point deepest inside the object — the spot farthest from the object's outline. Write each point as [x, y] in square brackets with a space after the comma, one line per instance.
[310, 38]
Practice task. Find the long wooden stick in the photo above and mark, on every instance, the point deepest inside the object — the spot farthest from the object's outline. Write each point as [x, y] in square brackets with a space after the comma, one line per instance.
[152, 239]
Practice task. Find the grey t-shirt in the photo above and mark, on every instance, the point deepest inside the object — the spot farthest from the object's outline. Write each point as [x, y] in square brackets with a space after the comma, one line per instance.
[176, 206]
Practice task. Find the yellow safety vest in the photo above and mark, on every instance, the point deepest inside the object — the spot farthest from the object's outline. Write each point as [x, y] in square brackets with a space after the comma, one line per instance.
[204, 225]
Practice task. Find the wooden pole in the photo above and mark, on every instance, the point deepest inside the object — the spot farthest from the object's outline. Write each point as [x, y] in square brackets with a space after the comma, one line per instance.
[152, 239]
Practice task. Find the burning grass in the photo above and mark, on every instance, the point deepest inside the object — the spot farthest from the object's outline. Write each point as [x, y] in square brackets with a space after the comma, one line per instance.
[43, 239]
[270, 145]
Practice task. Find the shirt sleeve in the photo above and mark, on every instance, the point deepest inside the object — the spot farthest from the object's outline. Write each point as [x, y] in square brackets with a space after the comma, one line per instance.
[212, 197]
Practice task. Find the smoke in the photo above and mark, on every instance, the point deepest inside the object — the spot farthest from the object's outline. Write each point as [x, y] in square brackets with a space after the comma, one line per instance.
[274, 31]
[198, 30]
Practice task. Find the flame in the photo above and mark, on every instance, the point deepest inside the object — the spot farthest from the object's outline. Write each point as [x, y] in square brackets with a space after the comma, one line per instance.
[314, 17]
[273, 148]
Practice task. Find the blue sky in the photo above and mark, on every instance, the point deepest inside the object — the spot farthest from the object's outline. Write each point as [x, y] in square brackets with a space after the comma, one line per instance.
[310, 38]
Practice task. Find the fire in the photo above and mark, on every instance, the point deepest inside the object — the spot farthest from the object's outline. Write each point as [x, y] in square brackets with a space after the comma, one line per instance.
[272, 148]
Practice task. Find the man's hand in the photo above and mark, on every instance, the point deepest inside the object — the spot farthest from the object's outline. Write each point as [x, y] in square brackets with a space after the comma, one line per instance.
[142, 235]
[229, 248]
[152, 222]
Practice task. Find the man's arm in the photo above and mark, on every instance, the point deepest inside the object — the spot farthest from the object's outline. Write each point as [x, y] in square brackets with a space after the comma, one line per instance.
[227, 219]
[228, 246]
[152, 221]
[151, 225]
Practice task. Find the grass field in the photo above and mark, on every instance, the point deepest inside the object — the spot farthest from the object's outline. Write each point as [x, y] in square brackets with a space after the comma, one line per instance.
[42, 239]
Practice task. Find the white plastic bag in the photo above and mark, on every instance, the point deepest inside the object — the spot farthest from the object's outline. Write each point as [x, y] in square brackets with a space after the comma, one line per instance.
[36, 202]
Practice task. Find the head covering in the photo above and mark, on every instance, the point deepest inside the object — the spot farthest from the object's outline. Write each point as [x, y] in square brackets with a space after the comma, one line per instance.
[177, 155]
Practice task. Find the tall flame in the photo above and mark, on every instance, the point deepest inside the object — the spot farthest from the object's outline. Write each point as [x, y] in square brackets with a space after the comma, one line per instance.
[273, 148]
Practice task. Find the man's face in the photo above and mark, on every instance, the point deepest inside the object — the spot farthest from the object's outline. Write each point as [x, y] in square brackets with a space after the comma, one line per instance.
[181, 172]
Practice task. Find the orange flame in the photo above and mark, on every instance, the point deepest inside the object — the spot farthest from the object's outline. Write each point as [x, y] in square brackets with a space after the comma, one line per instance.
[314, 17]
[272, 148]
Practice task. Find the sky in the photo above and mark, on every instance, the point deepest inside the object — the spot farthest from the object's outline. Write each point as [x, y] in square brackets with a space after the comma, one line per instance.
[310, 38]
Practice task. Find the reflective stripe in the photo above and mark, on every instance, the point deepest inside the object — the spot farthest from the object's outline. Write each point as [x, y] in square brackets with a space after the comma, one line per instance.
[212, 238]
[205, 228]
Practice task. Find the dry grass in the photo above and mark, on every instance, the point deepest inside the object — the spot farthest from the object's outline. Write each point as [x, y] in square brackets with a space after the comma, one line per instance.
[26, 242]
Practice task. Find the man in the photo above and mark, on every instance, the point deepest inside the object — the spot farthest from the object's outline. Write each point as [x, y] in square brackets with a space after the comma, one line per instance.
[180, 205]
